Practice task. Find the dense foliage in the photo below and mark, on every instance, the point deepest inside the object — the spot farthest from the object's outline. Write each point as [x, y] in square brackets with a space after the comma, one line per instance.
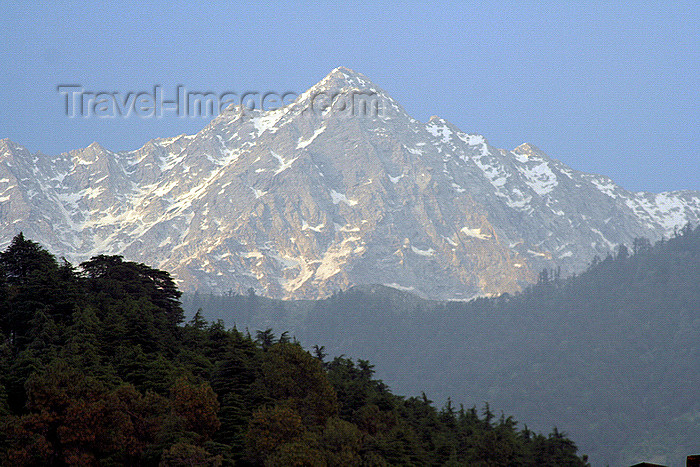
[97, 369]
[611, 355]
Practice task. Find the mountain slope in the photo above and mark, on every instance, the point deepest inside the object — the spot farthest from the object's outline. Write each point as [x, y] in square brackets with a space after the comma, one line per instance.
[610, 356]
[341, 187]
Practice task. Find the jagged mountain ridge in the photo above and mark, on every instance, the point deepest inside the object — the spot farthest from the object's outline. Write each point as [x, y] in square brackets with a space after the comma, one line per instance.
[298, 202]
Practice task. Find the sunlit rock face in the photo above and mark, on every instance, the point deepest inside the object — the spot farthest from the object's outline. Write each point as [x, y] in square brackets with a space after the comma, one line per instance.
[339, 188]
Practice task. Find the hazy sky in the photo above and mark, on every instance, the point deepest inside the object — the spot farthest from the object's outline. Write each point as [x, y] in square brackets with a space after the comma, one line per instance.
[610, 89]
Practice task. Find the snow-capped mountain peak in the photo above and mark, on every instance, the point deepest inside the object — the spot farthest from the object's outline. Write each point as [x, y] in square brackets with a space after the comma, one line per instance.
[340, 187]
[343, 78]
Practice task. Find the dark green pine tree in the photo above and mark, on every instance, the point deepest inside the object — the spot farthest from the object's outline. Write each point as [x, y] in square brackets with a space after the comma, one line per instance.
[30, 283]
[144, 302]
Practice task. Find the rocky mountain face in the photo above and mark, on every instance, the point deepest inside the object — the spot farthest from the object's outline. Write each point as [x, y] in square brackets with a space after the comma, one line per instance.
[339, 188]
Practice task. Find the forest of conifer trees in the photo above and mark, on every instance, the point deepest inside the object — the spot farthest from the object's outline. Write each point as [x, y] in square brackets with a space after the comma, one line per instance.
[97, 368]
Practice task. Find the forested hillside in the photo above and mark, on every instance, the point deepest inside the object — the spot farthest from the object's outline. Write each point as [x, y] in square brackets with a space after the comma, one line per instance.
[96, 368]
[611, 356]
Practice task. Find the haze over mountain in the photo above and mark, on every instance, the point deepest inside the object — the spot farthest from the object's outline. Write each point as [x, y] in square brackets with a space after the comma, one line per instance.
[304, 200]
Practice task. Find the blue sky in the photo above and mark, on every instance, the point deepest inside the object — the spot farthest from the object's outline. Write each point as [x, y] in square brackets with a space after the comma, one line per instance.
[610, 89]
